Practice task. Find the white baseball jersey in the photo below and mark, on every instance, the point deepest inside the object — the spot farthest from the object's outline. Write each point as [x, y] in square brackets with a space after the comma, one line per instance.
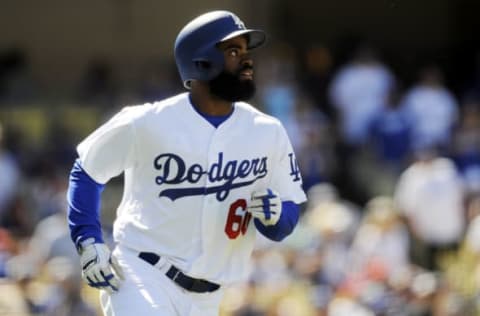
[187, 182]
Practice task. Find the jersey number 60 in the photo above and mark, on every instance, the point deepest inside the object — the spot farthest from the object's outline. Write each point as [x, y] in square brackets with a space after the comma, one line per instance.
[238, 219]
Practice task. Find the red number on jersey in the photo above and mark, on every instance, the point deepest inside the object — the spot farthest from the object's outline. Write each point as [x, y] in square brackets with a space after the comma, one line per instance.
[238, 219]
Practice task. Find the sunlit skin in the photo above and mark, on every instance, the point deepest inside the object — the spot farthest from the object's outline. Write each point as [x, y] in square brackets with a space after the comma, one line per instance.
[236, 56]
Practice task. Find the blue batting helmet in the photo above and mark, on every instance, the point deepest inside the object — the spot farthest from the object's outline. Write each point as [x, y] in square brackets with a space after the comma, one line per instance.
[196, 52]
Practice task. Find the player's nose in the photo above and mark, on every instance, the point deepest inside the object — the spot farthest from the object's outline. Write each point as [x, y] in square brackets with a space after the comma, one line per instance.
[246, 63]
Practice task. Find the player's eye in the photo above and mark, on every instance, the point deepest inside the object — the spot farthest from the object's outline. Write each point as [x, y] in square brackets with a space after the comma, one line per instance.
[233, 52]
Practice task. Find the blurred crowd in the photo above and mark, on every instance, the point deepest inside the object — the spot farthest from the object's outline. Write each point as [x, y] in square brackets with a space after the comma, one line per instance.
[391, 168]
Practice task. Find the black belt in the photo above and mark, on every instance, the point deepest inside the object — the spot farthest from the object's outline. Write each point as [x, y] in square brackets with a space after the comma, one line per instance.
[177, 276]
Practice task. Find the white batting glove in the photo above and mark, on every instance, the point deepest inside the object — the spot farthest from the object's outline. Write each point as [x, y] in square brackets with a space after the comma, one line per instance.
[266, 206]
[99, 268]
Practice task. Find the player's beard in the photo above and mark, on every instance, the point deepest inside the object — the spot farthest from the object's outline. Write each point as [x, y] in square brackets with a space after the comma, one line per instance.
[228, 86]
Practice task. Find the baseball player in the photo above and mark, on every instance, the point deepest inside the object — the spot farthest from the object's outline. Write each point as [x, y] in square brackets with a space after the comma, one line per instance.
[204, 172]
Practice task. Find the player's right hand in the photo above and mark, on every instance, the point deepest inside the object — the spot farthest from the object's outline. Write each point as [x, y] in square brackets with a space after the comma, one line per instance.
[99, 268]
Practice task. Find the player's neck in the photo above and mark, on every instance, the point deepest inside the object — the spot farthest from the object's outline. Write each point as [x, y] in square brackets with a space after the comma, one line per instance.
[209, 104]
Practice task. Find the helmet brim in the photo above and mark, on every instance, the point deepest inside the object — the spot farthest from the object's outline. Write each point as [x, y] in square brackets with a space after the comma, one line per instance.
[256, 38]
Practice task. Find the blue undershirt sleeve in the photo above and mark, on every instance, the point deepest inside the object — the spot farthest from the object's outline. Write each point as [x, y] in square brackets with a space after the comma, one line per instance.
[285, 225]
[83, 206]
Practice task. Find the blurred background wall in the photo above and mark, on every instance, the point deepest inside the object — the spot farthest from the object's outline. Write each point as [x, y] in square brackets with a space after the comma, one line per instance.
[60, 37]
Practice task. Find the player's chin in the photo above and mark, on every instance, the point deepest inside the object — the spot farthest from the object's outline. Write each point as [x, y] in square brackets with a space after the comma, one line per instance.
[246, 90]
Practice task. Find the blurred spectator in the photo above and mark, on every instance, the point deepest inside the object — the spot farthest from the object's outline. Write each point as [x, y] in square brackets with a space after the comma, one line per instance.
[8, 247]
[466, 145]
[472, 236]
[471, 247]
[432, 108]
[379, 253]
[278, 90]
[390, 133]
[332, 223]
[9, 177]
[430, 194]
[47, 190]
[65, 297]
[50, 238]
[16, 221]
[98, 85]
[317, 62]
[156, 82]
[19, 219]
[59, 153]
[472, 90]
[358, 91]
[48, 246]
[382, 239]
[345, 306]
[314, 143]
[16, 81]
[377, 166]
[242, 301]
[12, 301]
[462, 269]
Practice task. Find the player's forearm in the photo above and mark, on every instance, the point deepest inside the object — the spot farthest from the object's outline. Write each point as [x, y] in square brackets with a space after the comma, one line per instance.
[285, 225]
[84, 206]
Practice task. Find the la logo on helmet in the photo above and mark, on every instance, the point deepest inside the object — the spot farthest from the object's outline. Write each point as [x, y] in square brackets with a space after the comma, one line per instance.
[238, 22]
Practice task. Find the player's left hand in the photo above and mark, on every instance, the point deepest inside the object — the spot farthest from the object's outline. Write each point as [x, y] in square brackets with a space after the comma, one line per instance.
[266, 206]
[99, 268]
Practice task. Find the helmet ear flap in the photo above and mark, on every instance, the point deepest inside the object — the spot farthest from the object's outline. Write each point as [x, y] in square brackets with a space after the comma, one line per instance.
[203, 67]
[206, 68]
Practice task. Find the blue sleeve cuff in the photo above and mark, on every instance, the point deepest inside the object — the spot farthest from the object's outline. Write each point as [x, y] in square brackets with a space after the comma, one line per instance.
[84, 206]
[285, 225]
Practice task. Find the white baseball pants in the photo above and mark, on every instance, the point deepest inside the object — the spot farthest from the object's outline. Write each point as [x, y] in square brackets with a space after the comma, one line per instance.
[147, 291]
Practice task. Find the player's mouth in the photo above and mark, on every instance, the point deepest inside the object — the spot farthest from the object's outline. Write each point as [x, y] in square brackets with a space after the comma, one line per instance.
[246, 73]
